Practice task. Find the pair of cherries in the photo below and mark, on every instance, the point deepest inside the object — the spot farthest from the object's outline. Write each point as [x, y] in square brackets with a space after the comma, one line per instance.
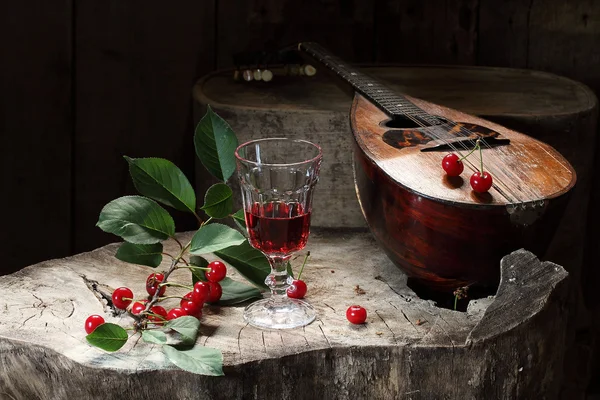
[453, 165]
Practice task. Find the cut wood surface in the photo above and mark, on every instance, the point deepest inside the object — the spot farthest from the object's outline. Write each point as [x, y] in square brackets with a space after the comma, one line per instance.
[509, 346]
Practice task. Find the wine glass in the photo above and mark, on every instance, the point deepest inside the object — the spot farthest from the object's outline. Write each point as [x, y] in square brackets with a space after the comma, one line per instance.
[277, 177]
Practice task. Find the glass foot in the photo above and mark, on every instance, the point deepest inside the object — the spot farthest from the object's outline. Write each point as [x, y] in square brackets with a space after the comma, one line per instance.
[279, 314]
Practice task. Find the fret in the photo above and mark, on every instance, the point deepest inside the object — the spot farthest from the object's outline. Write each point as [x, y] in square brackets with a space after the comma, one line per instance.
[387, 100]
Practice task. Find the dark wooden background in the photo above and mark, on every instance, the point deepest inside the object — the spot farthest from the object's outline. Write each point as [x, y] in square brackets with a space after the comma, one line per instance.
[83, 82]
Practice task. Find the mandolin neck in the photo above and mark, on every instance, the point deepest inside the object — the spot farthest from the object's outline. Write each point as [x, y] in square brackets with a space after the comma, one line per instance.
[393, 104]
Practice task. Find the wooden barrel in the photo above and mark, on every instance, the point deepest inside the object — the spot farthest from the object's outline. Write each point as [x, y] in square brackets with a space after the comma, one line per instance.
[554, 109]
[506, 347]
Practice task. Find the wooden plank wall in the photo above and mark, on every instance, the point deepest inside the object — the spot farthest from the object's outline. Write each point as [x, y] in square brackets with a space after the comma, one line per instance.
[36, 121]
[136, 62]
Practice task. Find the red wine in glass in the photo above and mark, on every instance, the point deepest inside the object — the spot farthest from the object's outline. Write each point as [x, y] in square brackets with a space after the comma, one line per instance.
[278, 227]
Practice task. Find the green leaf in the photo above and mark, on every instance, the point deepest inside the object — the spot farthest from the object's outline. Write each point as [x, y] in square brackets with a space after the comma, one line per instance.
[156, 337]
[249, 262]
[199, 359]
[142, 254]
[240, 219]
[162, 181]
[198, 274]
[236, 292]
[187, 326]
[215, 145]
[214, 237]
[218, 201]
[136, 219]
[109, 337]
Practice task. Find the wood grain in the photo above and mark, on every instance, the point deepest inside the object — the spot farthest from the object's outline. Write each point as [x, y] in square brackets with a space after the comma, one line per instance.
[408, 347]
[136, 64]
[35, 130]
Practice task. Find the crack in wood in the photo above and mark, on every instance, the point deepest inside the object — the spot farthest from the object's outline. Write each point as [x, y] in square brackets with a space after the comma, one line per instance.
[409, 321]
[95, 288]
[386, 324]
[304, 336]
[325, 336]
[72, 309]
[7, 394]
[444, 330]
[23, 324]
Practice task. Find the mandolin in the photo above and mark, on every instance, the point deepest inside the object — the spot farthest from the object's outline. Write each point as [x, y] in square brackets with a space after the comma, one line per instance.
[435, 227]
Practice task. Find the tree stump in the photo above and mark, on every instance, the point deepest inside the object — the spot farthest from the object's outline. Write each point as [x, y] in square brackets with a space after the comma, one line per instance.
[503, 347]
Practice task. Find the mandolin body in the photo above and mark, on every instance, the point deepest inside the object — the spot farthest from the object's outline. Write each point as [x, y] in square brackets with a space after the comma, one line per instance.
[437, 229]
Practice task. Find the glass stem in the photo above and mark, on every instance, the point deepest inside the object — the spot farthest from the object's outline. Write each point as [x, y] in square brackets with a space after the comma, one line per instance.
[278, 280]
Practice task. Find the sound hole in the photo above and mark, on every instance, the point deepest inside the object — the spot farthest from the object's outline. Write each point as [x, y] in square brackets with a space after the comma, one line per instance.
[402, 122]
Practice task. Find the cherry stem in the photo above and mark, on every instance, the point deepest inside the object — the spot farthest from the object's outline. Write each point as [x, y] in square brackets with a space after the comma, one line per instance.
[455, 301]
[480, 157]
[192, 266]
[172, 268]
[170, 297]
[200, 222]
[178, 242]
[471, 152]
[303, 264]
[174, 284]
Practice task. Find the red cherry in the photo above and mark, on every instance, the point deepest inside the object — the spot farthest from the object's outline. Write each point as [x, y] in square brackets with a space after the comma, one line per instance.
[356, 314]
[159, 312]
[119, 296]
[215, 292]
[201, 292]
[452, 165]
[92, 322]
[192, 308]
[217, 272]
[138, 307]
[297, 290]
[186, 297]
[175, 313]
[481, 184]
[152, 284]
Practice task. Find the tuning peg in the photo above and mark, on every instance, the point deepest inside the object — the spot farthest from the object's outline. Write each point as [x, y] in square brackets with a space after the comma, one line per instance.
[257, 74]
[294, 70]
[267, 75]
[308, 70]
[236, 75]
[248, 75]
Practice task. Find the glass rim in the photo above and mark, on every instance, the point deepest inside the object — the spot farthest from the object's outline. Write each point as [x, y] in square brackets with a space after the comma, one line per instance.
[308, 161]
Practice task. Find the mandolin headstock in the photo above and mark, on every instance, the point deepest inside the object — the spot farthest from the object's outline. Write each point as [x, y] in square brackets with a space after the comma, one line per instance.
[265, 65]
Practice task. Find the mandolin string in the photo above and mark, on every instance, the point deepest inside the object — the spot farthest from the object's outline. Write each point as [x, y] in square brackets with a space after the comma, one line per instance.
[500, 175]
[497, 182]
[526, 190]
[314, 50]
